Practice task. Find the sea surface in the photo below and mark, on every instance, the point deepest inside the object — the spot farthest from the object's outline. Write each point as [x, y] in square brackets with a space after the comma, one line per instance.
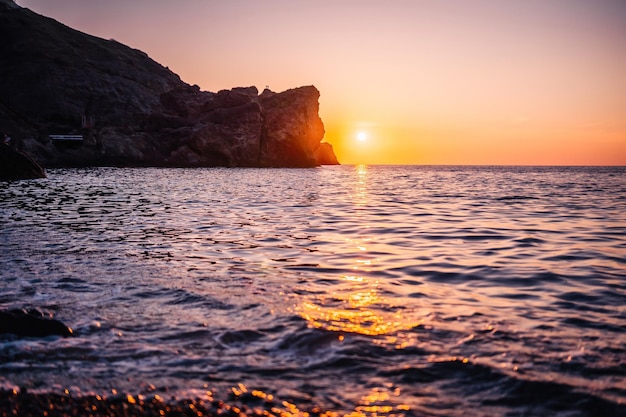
[370, 290]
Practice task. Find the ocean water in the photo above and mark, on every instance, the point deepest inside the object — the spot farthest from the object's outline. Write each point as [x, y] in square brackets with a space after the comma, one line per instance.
[370, 290]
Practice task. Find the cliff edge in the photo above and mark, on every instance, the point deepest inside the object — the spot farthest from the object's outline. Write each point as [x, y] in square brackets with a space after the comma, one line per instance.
[71, 99]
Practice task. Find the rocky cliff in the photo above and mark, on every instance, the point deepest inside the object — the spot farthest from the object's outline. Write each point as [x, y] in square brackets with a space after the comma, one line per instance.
[131, 111]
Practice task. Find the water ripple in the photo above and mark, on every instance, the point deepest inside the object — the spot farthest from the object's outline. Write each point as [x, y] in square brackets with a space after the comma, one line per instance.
[412, 290]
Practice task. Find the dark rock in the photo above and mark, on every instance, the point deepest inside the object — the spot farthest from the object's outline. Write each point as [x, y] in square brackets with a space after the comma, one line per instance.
[8, 4]
[16, 165]
[324, 155]
[132, 111]
[31, 323]
[292, 128]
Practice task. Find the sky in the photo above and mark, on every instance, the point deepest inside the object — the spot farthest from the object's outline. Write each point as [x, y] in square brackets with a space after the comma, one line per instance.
[476, 82]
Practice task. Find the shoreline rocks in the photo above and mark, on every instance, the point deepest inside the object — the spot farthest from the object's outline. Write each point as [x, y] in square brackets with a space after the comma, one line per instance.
[24, 403]
[31, 323]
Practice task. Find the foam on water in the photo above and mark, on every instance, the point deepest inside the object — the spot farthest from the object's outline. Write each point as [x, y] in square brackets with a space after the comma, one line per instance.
[374, 290]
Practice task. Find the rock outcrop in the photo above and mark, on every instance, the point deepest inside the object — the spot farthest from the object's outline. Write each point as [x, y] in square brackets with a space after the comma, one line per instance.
[16, 165]
[324, 155]
[132, 111]
[31, 323]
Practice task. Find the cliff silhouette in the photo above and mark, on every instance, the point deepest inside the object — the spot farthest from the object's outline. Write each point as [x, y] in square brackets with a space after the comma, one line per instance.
[71, 99]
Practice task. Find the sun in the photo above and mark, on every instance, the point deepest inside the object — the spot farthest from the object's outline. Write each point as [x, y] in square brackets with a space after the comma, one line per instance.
[361, 136]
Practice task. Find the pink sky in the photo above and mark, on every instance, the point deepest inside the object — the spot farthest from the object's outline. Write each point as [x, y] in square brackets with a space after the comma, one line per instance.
[427, 82]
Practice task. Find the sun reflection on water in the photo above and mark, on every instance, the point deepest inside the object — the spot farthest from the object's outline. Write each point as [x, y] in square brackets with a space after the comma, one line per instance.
[360, 189]
[358, 305]
[358, 308]
[377, 403]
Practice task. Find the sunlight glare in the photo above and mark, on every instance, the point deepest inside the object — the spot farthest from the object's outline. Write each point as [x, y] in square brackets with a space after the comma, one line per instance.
[361, 136]
[358, 308]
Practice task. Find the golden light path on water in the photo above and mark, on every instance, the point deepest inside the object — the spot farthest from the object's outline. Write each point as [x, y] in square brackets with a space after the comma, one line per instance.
[355, 313]
[360, 307]
[374, 403]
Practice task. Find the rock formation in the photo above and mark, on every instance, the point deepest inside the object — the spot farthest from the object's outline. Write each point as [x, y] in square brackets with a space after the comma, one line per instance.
[131, 111]
[324, 155]
[31, 323]
[16, 165]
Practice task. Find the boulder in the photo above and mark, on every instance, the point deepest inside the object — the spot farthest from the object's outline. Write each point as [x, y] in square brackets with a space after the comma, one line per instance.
[31, 323]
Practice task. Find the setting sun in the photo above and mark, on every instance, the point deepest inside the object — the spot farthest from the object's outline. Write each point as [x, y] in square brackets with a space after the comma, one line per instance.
[509, 84]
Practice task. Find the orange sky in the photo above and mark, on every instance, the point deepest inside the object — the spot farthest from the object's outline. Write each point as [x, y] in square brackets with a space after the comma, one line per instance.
[427, 81]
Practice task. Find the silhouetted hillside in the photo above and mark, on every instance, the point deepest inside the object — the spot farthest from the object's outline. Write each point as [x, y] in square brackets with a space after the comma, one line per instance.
[131, 110]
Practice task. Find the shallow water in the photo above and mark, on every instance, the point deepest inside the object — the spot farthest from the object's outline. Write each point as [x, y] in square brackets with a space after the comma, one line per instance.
[368, 289]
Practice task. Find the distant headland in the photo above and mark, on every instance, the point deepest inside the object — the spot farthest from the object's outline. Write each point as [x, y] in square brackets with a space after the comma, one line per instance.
[71, 99]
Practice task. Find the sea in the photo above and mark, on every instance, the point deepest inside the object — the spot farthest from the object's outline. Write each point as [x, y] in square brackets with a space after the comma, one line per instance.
[361, 290]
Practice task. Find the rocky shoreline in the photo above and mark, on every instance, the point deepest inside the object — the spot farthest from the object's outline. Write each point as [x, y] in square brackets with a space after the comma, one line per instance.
[34, 323]
[240, 403]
